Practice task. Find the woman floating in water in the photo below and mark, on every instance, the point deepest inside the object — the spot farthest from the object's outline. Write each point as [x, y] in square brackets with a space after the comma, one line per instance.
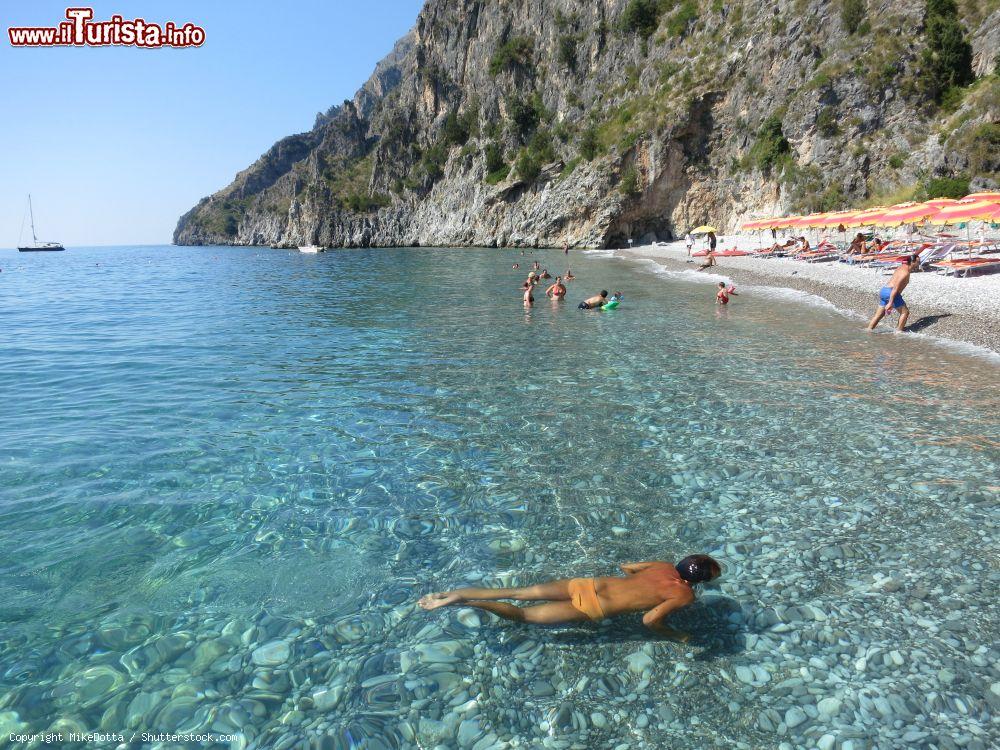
[657, 588]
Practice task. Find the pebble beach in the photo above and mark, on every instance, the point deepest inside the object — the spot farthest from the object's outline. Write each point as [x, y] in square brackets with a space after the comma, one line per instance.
[960, 309]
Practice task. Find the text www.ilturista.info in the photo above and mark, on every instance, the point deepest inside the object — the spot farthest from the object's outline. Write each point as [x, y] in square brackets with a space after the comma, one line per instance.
[79, 30]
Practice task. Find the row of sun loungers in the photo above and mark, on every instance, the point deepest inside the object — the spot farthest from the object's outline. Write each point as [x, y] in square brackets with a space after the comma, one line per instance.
[941, 255]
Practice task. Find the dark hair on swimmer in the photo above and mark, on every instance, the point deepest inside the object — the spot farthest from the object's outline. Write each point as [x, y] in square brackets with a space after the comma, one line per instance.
[604, 292]
[698, 568]
[911, 258]
[722, 284]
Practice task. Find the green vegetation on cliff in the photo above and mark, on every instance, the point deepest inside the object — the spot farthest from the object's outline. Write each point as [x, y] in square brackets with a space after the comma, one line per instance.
[946, 63]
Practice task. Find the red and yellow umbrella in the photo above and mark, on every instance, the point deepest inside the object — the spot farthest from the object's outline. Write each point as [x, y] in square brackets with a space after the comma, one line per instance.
[964, 211]
[809, 222]
[941, 202]
[865, 218]
[912, 213]
[758, 224]
[787, 222]
[839, 218]
[987, 196]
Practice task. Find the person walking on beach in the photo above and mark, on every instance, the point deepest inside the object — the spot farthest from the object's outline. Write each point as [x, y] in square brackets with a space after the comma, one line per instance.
[891, 295]
[689, 241]
[711, 242]
[595, 302]
[657, 588]
[557, 291]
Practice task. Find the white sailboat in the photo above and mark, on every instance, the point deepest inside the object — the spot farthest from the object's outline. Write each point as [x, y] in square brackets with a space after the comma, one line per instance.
[36, 246]
[311, 249]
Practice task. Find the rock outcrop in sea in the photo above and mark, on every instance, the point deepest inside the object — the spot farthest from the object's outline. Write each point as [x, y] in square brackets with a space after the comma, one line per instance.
[539, 122]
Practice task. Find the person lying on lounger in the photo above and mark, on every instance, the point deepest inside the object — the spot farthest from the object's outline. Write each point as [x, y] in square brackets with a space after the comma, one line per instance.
[776, 248]
[656, 588]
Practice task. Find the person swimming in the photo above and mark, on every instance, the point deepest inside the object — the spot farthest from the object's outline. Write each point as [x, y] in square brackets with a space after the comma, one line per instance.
[568, 276]
[656, 588]
[595, 302]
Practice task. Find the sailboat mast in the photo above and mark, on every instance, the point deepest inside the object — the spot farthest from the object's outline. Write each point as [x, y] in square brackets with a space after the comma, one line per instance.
[32, 212]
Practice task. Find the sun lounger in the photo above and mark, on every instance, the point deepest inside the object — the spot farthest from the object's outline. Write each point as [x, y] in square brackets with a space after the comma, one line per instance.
[963, 266]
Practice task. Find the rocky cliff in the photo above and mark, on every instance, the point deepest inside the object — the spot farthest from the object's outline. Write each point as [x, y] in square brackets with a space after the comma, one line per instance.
[538, 122]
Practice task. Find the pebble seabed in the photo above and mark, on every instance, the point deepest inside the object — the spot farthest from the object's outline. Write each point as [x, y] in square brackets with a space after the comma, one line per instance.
[830, 629]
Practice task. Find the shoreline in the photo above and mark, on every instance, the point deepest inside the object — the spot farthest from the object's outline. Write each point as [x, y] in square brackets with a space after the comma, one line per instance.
[956, 309]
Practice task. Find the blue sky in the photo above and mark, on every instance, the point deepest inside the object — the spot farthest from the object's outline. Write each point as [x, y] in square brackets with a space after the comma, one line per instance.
[114, 144]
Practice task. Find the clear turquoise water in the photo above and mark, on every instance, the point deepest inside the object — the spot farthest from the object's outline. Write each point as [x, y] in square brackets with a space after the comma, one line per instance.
[226, 475]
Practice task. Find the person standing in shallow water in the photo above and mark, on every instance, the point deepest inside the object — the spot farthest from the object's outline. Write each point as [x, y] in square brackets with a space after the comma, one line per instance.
[658, 588]
[557, 291]
[529, 299]
[891, 295]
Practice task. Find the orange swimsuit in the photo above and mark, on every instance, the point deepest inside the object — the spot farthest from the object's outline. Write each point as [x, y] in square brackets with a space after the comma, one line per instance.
[584, 598]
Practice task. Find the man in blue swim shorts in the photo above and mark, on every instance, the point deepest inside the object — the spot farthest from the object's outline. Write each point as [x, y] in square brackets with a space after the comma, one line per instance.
[891, 296]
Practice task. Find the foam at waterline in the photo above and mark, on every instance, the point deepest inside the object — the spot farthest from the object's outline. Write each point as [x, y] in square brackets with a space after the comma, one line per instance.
[797, 295]
[962, 347]
[686, 275]
[600, 253]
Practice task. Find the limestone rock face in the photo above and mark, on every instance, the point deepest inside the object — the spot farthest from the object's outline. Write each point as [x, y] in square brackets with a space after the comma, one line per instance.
[604, 132]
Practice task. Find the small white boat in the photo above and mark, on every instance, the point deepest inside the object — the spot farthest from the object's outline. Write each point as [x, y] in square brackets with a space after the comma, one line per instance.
[311, 249]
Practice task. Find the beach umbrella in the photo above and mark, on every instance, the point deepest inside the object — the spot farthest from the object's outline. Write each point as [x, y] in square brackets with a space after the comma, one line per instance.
[785, 222]
[962, 212]
[941, 202]
[704, 229]
[912, 213]
[987, 196]
[811, 221]
[838, 218]
[865, 218]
